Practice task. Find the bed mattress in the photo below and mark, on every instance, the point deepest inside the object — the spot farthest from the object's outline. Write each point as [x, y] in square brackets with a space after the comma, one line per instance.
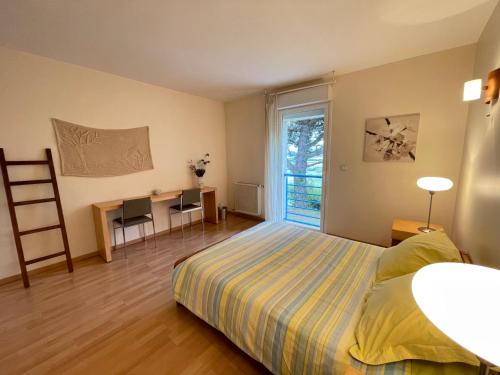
[287, 296]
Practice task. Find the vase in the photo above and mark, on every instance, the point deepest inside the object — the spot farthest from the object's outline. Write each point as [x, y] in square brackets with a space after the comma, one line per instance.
[200, 182]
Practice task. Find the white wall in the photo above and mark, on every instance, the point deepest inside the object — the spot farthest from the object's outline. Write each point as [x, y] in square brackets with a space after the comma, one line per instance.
[34, 89]
[364, 200]
[477, 218]
[245, 134]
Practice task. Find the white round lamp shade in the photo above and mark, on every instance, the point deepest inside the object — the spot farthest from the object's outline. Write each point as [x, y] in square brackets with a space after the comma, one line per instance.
[434, 183]
[463, 302]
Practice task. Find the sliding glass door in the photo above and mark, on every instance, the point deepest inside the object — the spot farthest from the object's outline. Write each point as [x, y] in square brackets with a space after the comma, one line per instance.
[304, 150]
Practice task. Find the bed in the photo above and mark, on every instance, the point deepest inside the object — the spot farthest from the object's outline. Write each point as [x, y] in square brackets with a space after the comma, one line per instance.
[287, 296]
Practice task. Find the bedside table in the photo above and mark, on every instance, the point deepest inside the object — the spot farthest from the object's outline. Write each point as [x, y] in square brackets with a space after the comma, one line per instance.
[402, 229]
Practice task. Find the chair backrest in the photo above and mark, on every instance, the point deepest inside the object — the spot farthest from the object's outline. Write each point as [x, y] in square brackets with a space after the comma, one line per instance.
[191, 196]
[136, 207]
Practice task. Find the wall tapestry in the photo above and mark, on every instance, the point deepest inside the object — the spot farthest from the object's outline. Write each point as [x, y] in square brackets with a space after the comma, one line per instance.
[89, 152]
[391, 138]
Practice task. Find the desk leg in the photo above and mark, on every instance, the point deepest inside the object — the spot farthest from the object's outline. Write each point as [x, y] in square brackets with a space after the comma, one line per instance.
[210, 207]
[102, 234]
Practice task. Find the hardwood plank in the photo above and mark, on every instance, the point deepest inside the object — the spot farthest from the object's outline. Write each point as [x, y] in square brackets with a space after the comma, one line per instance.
[117, 317]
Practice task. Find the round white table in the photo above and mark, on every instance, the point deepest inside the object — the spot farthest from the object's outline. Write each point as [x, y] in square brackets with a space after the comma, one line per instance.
[463, 301]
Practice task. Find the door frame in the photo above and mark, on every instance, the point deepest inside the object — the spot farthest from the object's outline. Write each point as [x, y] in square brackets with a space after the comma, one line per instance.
[326, 106]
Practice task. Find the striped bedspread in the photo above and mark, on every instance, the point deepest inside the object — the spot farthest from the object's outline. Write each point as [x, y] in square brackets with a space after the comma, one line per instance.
[287, 296]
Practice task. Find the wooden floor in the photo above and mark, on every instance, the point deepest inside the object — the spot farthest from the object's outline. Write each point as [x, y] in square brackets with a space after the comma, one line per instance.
[118, 317]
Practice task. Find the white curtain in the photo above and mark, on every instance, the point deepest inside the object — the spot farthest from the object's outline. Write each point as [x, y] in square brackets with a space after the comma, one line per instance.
[273, 185]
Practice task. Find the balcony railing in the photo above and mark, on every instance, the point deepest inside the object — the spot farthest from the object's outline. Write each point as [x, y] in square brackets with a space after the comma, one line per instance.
[303, 199]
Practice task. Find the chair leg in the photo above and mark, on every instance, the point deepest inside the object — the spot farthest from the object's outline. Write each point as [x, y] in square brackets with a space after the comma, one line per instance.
[124, 243]
[190, 221]
[145, 237]
[203, 220]
[114, 235]
[154, 233]
[182, 224]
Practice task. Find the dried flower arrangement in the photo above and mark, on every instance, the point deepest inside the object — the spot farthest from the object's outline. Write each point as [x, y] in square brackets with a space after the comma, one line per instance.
[200, 166]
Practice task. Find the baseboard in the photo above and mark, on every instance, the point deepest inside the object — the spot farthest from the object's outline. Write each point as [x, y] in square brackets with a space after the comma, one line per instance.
[57, 265]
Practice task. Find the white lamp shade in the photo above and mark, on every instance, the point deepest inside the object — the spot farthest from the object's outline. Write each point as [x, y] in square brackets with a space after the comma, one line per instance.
[434, 183]
[463, 302]
[472, 90]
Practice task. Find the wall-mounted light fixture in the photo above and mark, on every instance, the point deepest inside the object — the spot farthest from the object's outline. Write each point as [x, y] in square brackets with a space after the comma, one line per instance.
[473, 89]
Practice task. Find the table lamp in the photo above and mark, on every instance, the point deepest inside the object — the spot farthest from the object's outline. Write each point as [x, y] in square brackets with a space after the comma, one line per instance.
[463, 302]
[432, 184]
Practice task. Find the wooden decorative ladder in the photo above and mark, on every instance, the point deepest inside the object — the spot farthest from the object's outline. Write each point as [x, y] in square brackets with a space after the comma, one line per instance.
[12, 210]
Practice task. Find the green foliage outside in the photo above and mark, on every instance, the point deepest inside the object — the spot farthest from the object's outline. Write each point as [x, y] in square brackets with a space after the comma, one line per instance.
[305, 157]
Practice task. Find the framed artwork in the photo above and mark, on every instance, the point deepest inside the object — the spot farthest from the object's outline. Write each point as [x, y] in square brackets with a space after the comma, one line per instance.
[391, 138]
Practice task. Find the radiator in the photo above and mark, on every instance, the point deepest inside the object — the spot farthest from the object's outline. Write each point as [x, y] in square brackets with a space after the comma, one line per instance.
[248, 198]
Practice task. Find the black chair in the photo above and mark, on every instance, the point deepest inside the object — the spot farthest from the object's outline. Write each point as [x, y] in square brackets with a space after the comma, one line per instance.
[134, 212]
[191, 201]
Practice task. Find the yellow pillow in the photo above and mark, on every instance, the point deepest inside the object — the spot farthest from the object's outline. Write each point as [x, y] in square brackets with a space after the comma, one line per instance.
[416, 252]
[392, 328]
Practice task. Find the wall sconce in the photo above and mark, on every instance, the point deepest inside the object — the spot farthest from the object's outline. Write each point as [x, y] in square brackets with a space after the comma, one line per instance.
[472, 89]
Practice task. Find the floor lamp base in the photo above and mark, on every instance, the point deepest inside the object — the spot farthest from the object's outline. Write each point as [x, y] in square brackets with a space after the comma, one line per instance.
[426, 230]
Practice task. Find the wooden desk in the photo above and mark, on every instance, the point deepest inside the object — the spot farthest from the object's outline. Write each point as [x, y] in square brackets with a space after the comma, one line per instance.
[403, 229]
[101, 222]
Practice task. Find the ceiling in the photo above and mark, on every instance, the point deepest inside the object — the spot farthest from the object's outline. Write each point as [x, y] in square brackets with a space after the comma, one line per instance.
[224, 49]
